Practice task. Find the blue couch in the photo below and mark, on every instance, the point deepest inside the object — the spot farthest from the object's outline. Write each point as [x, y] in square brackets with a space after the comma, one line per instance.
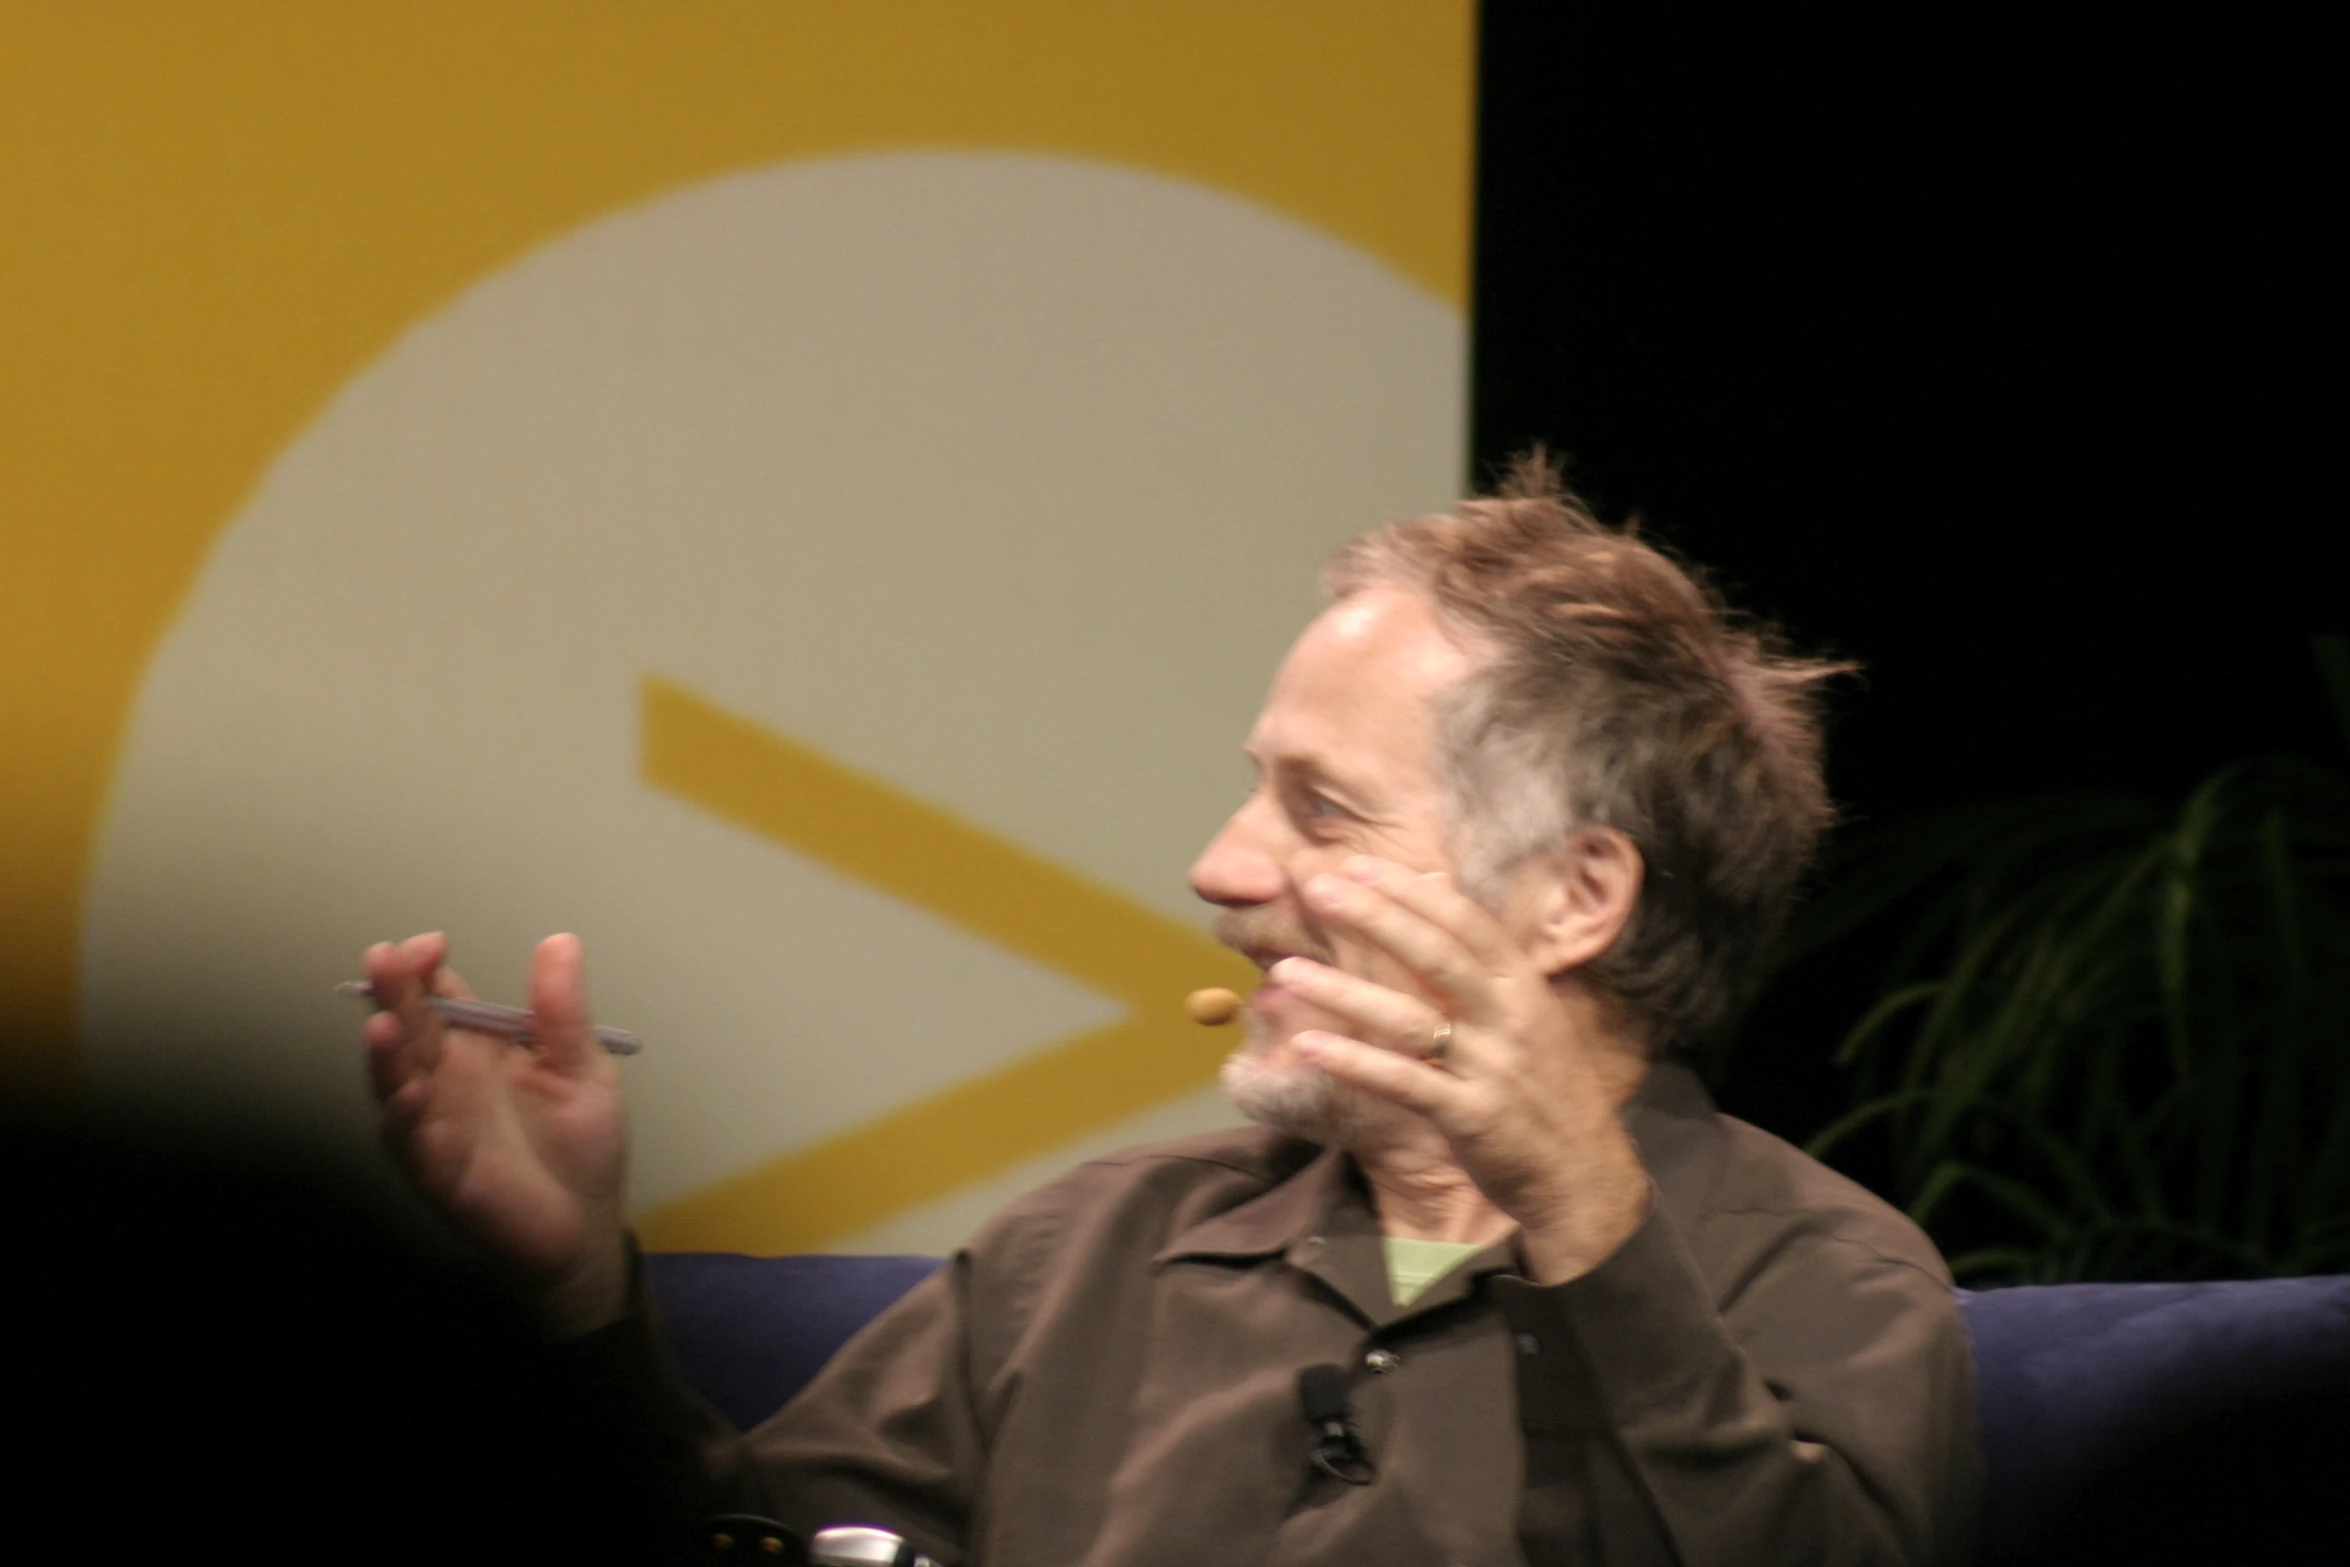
[2191, 1416]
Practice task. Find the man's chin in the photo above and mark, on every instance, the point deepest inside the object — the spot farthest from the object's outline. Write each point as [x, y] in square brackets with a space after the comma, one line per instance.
[1293, 1098]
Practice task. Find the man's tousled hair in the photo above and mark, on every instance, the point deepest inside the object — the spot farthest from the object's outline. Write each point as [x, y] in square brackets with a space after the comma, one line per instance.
[1617, 689]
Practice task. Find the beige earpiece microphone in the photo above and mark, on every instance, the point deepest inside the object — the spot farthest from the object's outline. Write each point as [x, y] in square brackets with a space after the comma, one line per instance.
[1212, 1006]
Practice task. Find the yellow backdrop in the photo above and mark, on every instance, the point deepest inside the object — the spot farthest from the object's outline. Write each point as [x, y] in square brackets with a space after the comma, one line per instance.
[218, 215]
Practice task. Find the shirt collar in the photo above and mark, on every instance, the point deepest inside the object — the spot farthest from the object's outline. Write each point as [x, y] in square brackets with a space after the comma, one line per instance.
[1322, 1221]
[1673, 1123]
[1319, 1221]
[1276, 1219]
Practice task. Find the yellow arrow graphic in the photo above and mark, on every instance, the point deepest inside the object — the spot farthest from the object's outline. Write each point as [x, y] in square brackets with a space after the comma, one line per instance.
[858, 825]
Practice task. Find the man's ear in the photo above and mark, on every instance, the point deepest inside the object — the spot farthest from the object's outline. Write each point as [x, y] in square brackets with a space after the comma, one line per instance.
[1577, 898]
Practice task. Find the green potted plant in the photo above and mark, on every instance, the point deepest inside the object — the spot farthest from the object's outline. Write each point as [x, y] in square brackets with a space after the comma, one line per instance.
[2115, 1043]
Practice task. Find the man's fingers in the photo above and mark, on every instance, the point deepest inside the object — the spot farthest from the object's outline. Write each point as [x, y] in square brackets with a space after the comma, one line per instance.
[405, 1036]
[558, 994]
[1438, 899]
[427, 951]
[1408, 1082]
[404, 1107]
[385, 1035]
[403, 976]
[1440, 960]
[429, 954]
[1375, 1013]
[389, 974]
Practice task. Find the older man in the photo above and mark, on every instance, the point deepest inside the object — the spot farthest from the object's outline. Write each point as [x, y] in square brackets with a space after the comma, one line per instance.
[1528, 804]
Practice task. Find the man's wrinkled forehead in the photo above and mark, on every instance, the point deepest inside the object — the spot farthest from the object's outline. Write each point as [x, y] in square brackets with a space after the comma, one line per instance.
[1361, 678]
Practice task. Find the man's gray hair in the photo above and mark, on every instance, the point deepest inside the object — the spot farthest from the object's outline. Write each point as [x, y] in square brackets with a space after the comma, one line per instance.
[1616, 689]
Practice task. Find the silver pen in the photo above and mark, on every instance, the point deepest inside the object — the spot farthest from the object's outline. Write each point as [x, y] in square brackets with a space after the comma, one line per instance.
[488, 1017]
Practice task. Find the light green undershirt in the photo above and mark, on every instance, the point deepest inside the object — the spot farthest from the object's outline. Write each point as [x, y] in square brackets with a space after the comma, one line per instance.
[1414, 1265]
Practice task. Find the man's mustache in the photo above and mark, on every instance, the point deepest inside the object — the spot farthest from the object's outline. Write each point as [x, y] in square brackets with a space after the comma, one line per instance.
[1262, 930]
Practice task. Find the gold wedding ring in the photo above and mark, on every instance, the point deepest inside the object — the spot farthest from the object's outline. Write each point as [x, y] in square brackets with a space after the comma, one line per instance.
[1439, 1043]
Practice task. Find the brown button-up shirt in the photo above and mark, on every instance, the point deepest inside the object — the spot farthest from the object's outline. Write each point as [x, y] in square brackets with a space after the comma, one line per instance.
[1771, 1370]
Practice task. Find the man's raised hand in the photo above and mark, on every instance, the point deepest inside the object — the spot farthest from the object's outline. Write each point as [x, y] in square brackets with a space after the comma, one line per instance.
[522, 1146]
[1523, 1094]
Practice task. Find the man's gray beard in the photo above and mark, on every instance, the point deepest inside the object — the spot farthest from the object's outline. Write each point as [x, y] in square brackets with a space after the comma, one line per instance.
[1303, 1102]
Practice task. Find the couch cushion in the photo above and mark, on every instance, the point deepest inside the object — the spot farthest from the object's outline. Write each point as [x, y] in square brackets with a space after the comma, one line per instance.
[2085, 1391]
[2084, 1385]
[749, 1332]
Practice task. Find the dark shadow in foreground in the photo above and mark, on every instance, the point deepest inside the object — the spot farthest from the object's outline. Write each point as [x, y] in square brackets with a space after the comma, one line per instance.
[224, 1342]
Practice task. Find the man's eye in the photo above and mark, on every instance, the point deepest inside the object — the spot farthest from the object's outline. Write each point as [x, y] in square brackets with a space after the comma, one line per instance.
[1318, 807]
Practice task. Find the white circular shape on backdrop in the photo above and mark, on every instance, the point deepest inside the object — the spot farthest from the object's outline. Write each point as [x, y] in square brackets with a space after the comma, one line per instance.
[1004, 478]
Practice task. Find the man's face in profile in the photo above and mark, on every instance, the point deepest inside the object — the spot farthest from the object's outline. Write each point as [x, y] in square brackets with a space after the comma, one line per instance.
[1345, 759]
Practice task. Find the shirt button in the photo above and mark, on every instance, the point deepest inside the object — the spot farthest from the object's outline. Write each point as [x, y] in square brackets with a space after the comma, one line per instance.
[1382, 1360]
[1528, 1344]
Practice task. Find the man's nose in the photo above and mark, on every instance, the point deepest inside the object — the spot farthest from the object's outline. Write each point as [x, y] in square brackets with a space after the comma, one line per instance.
[1238, 866]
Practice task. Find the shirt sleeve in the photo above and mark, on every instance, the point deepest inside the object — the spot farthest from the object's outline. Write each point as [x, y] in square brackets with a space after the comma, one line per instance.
[1820, 1412]
[684, 1450]
[884, 1435]
[889, 1431]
